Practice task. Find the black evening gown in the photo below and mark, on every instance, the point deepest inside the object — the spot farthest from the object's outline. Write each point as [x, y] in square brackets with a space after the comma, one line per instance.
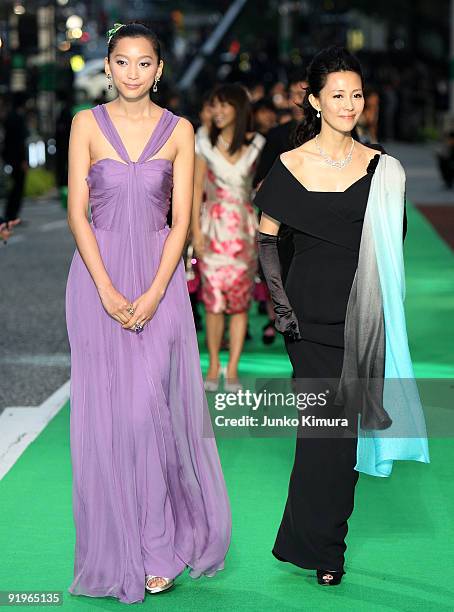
[327, 230]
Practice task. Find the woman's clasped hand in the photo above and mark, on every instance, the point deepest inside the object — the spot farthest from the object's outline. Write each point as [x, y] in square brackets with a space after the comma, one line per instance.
[129, 313]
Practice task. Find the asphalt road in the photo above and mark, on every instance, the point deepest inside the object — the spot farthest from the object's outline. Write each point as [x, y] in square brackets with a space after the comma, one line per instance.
[34, 349]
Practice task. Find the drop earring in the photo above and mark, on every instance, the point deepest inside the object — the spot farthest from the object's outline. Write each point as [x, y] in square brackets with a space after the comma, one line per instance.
[155, 86]
[318, 114]
[109, 76]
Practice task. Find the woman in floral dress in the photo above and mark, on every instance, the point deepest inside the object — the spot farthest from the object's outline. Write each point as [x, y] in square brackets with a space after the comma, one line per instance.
[224, 225]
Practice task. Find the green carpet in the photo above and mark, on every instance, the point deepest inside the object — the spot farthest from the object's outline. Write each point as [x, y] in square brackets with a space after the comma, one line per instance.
[400, 536]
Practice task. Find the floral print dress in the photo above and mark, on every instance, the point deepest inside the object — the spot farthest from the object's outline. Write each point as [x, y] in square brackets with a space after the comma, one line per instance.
[229, 225]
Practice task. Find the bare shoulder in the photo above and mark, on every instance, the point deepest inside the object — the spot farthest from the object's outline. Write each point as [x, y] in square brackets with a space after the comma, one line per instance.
[183, 137]
[83, 121]
[184, 128]
[83, 117]
[368, 151]
[294, 159]
[286, 157]
[82, 129]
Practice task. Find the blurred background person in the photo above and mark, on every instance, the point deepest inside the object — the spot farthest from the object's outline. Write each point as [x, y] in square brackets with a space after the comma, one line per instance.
[278, 140]
[6, 229]
[445, 158]
[205, 116]
[62, 132]
[389, 108]
[367, 127]
[174, 102]
[256, 91]
[15, 155]
[191, 258]
[278, 94]
[264, 115]
[224, 229]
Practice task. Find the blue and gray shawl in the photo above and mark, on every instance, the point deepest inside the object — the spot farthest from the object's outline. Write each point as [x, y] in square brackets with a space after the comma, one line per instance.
[377, 373]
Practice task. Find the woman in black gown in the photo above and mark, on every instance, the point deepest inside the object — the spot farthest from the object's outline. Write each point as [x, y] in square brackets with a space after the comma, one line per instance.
[319, 189]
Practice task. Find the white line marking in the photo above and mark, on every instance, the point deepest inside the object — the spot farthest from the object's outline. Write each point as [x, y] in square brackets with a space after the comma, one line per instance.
[57, 359]
[19, 426]
[47, 227]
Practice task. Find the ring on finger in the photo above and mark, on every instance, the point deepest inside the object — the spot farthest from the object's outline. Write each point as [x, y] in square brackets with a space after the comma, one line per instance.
[130, 309]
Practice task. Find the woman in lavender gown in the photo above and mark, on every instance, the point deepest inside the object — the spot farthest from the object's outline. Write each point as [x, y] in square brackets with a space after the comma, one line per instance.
[149, 497]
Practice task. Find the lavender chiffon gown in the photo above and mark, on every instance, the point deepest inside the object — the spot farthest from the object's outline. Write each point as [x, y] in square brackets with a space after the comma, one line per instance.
[149, 495]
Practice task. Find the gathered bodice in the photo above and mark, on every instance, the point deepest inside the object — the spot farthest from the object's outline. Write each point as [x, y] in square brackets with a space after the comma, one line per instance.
[126, 194]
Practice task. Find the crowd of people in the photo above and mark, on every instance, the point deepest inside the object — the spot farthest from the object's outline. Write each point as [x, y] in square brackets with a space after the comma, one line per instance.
[223, 272]
[242, 131]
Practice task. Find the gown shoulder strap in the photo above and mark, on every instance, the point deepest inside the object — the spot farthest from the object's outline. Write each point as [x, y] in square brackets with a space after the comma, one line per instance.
[107, 128]
[269, 197]
[161, 134]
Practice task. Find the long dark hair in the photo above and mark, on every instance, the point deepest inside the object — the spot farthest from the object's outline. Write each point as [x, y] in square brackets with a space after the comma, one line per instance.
[237, 96]
[135, 29]
[331, 59]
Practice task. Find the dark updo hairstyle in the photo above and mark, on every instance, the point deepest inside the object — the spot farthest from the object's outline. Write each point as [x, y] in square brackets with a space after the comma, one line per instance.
[331, 59]
[135, 29]
[238, 97]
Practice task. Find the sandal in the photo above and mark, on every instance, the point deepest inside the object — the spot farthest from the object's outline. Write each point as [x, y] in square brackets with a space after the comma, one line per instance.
[231, 385]
[212, 384]
[328, 577]
[158, 589]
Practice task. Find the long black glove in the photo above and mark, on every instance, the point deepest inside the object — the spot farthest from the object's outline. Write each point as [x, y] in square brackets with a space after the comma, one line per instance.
[286, 322]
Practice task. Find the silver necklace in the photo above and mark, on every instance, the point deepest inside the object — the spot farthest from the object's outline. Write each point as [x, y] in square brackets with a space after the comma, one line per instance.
[335, 163]
[224, 142]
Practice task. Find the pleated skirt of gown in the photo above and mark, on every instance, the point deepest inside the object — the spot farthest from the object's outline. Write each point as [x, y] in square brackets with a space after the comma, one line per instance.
[149, 496]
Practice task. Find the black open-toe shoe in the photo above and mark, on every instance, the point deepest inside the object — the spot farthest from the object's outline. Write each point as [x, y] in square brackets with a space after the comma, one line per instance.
[268, 333]
[327, 577]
